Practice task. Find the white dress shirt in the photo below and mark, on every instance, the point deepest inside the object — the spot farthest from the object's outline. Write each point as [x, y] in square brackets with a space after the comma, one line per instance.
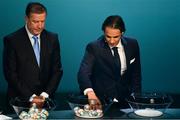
[30, 37]
[122, 56]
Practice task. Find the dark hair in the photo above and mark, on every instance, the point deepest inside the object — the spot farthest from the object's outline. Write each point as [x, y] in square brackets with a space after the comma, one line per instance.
[114, 21]
[35, 7]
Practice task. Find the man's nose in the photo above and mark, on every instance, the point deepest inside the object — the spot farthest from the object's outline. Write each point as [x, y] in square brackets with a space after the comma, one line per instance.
[112, 40]
[40, 25]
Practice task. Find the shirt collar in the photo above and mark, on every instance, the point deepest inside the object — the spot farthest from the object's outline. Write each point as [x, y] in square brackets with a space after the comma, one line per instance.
[29, 34]
[119, 45]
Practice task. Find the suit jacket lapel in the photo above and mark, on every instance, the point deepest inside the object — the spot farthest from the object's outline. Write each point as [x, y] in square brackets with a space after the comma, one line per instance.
[25, 42]
[107, 51]
[43, 48]
[108, 54]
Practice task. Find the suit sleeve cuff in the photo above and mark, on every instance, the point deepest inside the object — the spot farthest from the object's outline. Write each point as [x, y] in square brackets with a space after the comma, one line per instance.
[87, 90]
[44, 94]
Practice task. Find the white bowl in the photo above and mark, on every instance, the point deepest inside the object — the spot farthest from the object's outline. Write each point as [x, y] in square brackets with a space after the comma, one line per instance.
[149, 104]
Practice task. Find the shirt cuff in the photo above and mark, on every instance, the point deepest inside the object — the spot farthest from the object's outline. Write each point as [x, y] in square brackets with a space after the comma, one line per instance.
[44, 94]
[87, 90]
[31, 98]
[115, 100]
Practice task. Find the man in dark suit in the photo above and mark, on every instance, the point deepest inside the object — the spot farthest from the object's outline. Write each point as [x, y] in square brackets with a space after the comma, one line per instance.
[100, 77]
[32, 72]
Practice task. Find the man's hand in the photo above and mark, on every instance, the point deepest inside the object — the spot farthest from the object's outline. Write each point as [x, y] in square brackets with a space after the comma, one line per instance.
[39, 101]
[94, 102]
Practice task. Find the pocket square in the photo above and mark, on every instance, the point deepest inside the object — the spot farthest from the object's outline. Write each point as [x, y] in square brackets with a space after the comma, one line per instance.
[131, 61]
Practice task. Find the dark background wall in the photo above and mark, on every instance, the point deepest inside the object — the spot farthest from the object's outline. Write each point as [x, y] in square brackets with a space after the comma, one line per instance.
[155, 23]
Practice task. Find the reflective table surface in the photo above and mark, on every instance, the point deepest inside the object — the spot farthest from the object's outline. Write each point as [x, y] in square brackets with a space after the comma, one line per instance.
[170, 113]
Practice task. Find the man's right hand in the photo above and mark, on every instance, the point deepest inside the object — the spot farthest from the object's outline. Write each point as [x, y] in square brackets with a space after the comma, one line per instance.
[94, 102]
[39, 101]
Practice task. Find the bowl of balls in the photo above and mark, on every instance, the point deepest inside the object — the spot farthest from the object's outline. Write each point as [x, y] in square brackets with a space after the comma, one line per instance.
[88, 108]
[149, 104]
[26, 109]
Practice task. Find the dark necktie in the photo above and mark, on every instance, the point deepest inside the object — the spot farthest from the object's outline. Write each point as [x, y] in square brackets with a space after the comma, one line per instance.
[36, 48]
[117, 60]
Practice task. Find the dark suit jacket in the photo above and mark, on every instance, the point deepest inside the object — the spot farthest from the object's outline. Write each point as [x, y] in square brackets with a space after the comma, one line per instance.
[97, 70]
[21, 70]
